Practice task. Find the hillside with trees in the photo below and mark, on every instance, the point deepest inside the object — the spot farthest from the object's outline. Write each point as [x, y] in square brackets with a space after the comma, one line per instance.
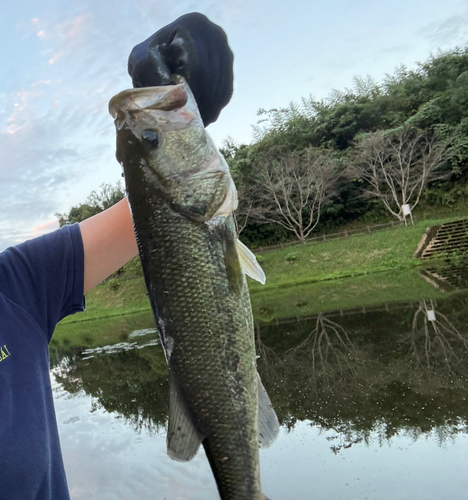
[400, 141]
[358, 155]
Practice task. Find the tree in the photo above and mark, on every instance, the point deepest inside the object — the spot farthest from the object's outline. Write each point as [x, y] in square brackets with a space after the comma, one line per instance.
[290, 190]
[107, 196]
[397, 166]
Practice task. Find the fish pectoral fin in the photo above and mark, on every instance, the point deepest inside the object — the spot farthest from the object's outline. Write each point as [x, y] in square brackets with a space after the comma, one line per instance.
[183, 438]
[268, 425]
[249, 263]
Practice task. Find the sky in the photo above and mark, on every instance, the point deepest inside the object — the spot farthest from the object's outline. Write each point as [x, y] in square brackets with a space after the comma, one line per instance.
[62, 61]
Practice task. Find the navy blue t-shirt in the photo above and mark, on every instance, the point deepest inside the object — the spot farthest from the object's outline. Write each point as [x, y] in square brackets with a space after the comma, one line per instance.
[41, 282]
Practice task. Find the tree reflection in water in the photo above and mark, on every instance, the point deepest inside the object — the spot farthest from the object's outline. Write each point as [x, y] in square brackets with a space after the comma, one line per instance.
[435, 343]
[329, 352]
[351, 374]
[359, 375]
[129, 381]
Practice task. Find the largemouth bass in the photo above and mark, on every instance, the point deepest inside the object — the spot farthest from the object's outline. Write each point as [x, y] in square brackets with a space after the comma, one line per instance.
[182, 197]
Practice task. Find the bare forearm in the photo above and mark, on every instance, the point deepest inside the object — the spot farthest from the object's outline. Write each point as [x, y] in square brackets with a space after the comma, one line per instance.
[109, 242]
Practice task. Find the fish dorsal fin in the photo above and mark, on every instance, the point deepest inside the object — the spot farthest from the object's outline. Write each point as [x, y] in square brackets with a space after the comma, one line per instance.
[183, 439]
[249, 263]
[268, 425]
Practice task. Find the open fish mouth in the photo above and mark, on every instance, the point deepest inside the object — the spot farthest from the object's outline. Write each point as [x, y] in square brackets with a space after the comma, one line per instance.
[149, 98]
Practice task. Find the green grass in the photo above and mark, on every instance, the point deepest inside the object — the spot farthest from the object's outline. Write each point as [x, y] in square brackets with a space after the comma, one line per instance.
[457, 211]
[107, 300]
[355, 256]
[297, 300]
[301, 280]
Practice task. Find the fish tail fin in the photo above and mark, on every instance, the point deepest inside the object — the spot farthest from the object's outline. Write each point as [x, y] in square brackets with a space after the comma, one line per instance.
[268, 425]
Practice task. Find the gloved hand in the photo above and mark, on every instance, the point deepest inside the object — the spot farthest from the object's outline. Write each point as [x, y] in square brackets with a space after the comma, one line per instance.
[195, 48]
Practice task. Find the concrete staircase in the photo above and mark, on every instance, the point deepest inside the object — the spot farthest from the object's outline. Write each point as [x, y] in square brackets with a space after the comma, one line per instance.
[444, 240]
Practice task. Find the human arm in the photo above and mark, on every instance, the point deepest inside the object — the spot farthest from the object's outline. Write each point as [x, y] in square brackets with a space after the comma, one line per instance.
[109, 242]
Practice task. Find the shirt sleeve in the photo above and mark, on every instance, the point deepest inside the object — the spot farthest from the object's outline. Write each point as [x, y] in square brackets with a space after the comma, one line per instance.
[45, 276]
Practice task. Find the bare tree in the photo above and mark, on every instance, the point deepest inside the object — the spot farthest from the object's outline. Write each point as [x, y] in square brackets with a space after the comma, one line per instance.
[290, 190]
[397, 167]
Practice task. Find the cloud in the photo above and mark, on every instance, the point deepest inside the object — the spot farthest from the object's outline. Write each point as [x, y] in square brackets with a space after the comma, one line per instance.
[55, 130]
[18, 120]
[47, 227]
[450, 31]
[66, 37]
[42, 152]
[40, 82]
[77, 27]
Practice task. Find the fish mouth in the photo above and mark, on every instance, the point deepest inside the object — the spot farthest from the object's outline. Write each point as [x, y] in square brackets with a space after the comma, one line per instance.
[167, 98]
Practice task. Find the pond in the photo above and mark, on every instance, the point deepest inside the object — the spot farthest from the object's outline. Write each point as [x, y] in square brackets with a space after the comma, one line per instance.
[372, 401]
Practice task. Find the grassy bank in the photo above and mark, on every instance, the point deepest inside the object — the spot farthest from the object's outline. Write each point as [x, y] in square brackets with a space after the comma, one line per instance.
[390, 250]
[303, 279]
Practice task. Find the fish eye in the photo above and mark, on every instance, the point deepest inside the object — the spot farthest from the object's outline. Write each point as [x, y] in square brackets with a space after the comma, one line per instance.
[151, 136]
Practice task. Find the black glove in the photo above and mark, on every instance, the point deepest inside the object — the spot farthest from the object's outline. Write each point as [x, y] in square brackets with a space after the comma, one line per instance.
[195, 48]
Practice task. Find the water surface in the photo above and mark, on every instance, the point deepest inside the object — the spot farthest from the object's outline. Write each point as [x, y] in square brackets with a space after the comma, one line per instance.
[372, 401]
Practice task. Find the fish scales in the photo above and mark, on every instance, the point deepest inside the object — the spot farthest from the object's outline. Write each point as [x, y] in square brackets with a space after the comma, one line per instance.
[197, 289]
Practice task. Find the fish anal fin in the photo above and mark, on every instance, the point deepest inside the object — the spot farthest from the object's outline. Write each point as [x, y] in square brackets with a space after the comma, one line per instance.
[183, 438]
[249, 263]
[268, 425]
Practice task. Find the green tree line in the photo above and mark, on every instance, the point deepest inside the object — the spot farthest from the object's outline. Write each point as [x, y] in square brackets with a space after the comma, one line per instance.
[319, 164]
[430, 101]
